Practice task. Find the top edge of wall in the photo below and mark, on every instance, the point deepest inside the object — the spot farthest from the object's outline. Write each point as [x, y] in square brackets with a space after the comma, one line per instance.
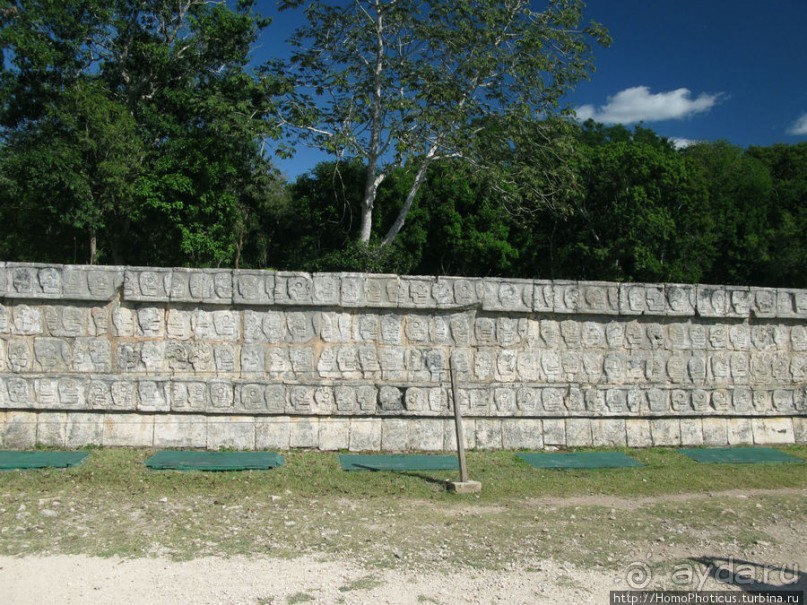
[96, 283]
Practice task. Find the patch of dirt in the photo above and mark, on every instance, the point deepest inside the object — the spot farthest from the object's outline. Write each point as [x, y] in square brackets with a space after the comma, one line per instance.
[279, 551]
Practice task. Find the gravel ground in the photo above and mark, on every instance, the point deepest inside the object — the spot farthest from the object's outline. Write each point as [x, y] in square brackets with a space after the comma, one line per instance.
[259, 580]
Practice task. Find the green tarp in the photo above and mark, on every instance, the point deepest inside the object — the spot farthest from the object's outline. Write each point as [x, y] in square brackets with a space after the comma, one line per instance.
[213, 461]
[738, 455]
[580, 460]
[397, 462]
[10, 460]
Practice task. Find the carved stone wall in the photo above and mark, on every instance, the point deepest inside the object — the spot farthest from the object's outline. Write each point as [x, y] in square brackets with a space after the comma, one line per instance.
[258, 359]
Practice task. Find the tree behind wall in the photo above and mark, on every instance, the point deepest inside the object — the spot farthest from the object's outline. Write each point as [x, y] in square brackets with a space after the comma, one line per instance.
[131, 131]
[407, 83]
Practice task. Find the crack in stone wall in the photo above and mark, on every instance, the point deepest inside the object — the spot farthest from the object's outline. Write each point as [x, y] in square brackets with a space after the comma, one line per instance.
[260, 359]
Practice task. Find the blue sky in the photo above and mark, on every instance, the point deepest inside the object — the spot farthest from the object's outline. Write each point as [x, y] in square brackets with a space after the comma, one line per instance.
[689, 69]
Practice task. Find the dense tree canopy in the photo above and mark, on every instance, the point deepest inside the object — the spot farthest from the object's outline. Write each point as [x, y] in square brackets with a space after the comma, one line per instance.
[136, 131]
[407, 83]
[131, 130]
[641, 211]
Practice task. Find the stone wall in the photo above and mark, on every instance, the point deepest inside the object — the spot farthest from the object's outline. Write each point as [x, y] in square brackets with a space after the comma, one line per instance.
[257, 359]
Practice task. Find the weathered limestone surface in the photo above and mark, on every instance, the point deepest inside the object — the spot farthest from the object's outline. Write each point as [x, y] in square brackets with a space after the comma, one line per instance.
[260, 359]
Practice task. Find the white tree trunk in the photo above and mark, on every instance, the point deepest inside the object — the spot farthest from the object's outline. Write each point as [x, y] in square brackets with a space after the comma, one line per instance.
[420, 178]
[373, 180]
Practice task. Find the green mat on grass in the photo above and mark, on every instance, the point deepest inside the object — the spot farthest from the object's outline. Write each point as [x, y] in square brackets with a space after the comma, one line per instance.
[213, 461]
[397, 462]
[738, 455]
[10, 460]
[580, 460]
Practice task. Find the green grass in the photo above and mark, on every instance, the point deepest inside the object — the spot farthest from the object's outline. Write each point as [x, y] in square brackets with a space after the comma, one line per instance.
[113, 505]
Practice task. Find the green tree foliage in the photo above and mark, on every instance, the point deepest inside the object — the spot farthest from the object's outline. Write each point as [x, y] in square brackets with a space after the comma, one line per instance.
[131, 131]
[638, 217]
[787, 215]
[739, 190]
[640, 210]
[407, 83]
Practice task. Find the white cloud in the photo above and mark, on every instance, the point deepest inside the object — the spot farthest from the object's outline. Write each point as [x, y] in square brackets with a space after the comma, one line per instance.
[680, 143]
[638, 104]
[799, 127]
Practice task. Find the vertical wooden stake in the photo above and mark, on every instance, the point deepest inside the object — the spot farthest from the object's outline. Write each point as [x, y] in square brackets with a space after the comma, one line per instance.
[458, 422]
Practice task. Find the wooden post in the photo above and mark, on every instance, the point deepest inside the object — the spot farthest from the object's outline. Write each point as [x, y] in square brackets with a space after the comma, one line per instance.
[464, 485]
[458, 421]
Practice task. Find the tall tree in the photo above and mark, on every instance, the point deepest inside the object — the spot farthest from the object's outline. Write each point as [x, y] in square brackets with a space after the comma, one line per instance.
[787, 165]
[738, 206]
[407, 83]
[639, 216]
[141, 122]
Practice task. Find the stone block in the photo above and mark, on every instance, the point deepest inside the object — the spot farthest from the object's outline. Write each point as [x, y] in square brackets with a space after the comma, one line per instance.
[692, 432]
[638, 433]
[680, 300]
[334, 434]
[426, 434]
[543, 296]
[508, 295]
[231, 432]
[154, 395]
[326, 289]
[17, 430]
[632, 299]
[450, 434]
[353, 289]
[395, 434]
[554, 432]
[91, 283]
[565, 296]
[739, 431]
[772, 431]
[382, 291]
[180, 430]
[27, 320]
[465, 487]
[33, 280]
[147, 284]
[272, 433]
[608, 432]
[456, 292]
[51, 429]
[253, 287]
[128, 430]
[716, 431]
[787, 303]
[598, 298]
[293, 288]
[415, 292]
[711, 301]
[84, 429]
[303, 432]
[666, 432]
[365, 435]
[522, 433]
[578, 432]
[764, 302]
[488, 434]
[800, 297]
[800, 429]
[739, 302]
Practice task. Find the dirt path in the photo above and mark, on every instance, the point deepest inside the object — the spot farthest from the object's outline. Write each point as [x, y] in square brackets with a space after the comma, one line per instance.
[81, 580]
[572, 550]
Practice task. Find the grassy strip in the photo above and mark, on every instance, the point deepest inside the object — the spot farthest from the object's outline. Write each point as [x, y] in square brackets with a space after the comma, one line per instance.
[113, 505]
[503, 475]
